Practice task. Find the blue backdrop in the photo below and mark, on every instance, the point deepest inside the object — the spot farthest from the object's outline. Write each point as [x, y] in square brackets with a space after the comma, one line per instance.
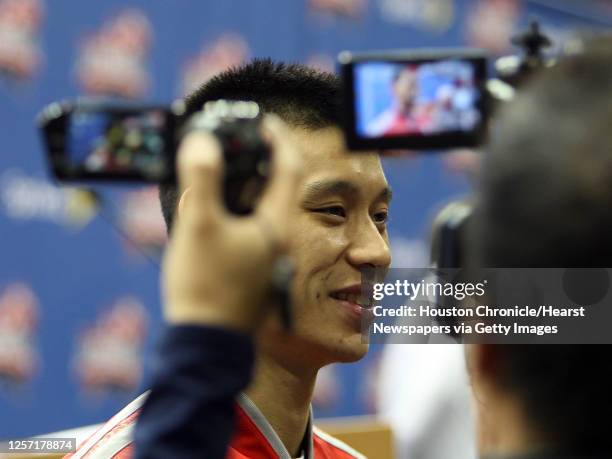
[79, 301]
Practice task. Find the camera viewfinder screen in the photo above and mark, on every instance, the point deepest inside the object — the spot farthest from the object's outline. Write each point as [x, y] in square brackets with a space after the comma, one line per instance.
[130, 143]
[414, 99]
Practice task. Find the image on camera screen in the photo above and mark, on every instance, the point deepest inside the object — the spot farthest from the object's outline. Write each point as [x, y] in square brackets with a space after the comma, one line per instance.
[118, 143]
[414, 99]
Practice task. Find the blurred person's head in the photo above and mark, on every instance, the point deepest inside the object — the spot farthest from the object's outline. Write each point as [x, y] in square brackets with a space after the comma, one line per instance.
[406, 88]
[339, 220]
[546, 201]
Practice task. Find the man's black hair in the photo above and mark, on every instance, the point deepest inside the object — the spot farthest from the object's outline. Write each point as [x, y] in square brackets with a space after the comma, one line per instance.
[301, 96]
[546, 201]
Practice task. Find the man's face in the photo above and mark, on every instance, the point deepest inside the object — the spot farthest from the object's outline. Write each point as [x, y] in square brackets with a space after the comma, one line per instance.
[406, 87]
[338, 227]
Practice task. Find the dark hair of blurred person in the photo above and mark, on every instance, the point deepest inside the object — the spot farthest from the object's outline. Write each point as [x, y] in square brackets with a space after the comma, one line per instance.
[546, 201]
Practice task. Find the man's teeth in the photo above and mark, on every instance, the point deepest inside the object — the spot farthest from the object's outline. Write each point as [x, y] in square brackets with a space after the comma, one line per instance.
[350, 297]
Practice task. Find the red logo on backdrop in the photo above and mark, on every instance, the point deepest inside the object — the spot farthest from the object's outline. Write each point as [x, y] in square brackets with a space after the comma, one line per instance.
[322, 62]
[228, 51]
[142, 221]
[347, 8]
[491, 23]
[20, 22]
[112, 61]
[433, 15]
[18, 320]
[463, 162]
[109, 355]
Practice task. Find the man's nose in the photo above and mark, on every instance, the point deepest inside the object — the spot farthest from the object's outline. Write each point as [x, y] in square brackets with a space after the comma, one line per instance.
[369, 247]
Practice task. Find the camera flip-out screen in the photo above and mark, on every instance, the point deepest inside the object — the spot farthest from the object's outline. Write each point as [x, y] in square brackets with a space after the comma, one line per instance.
[119, 142]
[413, 100]
[95, 140]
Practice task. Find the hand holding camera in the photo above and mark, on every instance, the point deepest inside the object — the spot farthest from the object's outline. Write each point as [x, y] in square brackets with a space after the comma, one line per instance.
[210, 245]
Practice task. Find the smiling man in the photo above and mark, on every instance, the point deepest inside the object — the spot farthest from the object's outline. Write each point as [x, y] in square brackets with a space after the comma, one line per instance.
[338, 227]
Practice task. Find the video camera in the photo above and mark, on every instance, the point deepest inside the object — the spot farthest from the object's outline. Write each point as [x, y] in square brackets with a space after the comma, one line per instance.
[431, 99]
[98, 141]
[401, 100]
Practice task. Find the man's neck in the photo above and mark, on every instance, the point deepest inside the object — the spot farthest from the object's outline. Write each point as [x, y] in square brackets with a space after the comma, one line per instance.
[283, 396]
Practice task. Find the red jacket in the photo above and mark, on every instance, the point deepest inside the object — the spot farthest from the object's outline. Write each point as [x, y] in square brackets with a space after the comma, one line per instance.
[254, 438]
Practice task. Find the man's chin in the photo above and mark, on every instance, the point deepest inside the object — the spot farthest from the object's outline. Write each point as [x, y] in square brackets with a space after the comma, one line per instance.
[319, 351]
[348, 352]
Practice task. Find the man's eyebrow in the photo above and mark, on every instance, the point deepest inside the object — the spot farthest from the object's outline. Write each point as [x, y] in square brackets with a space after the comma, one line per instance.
[324, 188]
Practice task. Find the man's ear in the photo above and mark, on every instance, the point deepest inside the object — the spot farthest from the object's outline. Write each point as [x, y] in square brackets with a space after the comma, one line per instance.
[481, 360]
[482, 364]
[488, 359]
[181, 203]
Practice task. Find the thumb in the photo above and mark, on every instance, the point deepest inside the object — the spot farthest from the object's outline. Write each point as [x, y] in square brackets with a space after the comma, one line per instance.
[280, 194]
[200, 174]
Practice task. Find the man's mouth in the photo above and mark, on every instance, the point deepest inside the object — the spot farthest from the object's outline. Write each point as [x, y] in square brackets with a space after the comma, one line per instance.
[350, 297]
[353, 304]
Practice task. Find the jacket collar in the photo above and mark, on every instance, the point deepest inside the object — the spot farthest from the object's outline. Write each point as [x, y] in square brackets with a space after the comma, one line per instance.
[260, 427]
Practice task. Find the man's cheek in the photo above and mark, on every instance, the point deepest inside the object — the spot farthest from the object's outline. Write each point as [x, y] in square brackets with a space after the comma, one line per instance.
[328, 241]
[312, 245]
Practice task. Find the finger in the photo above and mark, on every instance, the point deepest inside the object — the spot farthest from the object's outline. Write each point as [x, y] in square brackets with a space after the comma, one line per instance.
[280, 194]
[200, 174]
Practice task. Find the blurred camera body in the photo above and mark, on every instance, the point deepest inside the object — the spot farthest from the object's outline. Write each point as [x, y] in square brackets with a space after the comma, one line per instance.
[91, 140]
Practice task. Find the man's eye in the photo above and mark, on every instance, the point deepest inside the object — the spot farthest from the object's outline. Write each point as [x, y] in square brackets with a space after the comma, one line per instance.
[381, 217]
[332, 210]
